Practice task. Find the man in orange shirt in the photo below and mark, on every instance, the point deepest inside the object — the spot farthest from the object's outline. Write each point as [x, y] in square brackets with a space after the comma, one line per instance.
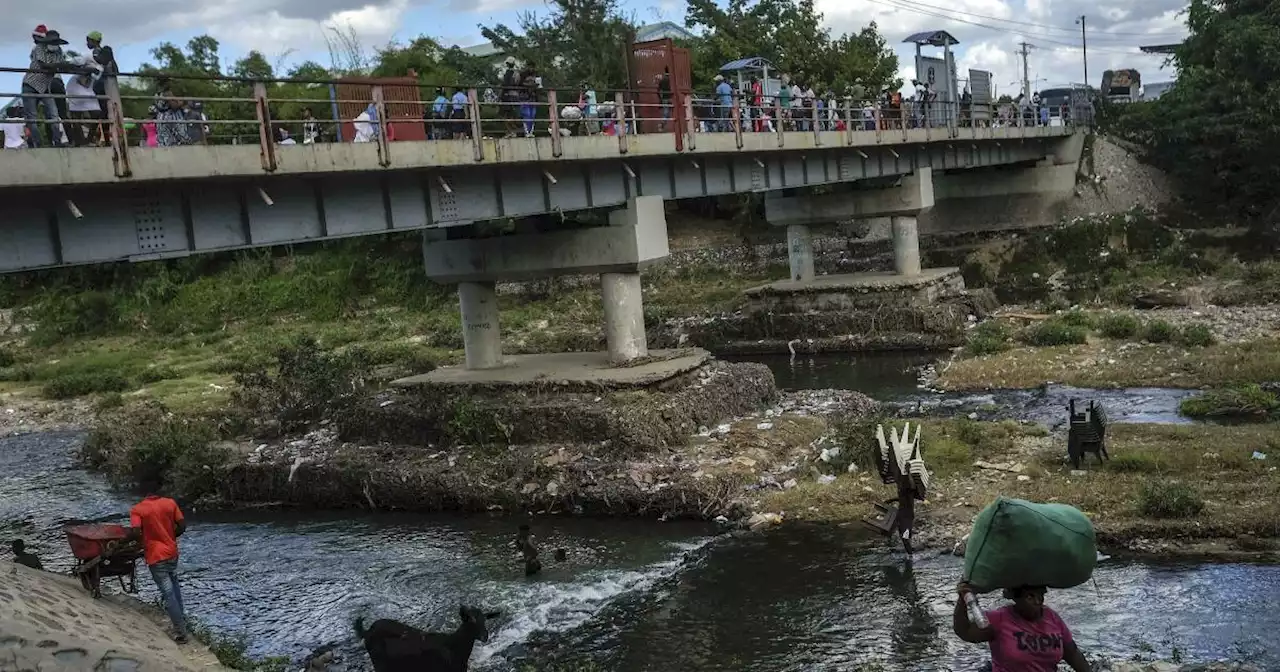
[158, 522]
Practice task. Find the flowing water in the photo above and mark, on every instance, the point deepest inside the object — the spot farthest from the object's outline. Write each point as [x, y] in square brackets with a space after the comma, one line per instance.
[643, 595]
[894, 377]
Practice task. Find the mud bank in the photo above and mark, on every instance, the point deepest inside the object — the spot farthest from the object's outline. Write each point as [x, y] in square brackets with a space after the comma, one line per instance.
[709, 471]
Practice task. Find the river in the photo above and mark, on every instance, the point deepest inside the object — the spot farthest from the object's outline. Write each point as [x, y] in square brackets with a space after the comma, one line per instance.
[634, 595]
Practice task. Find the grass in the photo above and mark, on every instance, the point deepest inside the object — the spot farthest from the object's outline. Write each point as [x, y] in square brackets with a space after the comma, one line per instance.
[1104, 364]
[178, 331]
[233, 652]
[1158, 331]
[1236, 402]
[1163, 481]
[1055, 332]
[988, 338]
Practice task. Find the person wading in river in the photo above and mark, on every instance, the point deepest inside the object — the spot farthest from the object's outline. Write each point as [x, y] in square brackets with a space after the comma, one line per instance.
[1025, 636]
[524, 544]
[22, 557]
[157, 522]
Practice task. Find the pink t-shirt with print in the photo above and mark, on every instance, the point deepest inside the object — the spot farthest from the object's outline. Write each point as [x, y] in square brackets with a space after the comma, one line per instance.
[1020, 645]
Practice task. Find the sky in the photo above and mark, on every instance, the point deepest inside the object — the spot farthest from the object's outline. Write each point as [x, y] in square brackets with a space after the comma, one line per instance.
[289, 31]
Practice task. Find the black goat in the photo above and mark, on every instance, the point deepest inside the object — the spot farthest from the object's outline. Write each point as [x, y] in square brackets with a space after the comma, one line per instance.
[396, 647]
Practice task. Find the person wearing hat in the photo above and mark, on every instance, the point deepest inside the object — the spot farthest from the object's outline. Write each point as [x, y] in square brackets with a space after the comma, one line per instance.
[47, 59]
[724, 103]
[105, 57]
[510, 107]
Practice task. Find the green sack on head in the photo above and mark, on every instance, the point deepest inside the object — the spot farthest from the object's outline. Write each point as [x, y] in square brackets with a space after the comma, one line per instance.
[1019, 543]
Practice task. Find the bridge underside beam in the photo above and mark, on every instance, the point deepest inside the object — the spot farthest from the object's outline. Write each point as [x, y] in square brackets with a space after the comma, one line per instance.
[85, 225]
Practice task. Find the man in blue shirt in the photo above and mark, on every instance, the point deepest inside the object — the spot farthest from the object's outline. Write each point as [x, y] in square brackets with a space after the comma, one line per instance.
[461, 130]
[440, 113]
[724, 103]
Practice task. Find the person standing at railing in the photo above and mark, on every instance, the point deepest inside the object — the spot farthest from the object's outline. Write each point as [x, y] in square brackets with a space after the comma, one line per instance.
[46, 59]
[81, 105]
[105, 57]
[664, 98]
[510, 103]
[724, 104]
[14, 128]
[590, 108]
[440, 115]
[757, 100]
[784, 101]
[461, 129]
[310, 127]
[530, 82]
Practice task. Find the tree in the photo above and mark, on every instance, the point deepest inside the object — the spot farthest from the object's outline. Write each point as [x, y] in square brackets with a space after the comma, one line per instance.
[579, 41]
[253, 66]
[789, 34]
[1217, 130]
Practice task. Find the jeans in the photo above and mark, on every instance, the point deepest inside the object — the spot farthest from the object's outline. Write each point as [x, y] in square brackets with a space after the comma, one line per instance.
[527, 113]
[165, 574]
[31, 100]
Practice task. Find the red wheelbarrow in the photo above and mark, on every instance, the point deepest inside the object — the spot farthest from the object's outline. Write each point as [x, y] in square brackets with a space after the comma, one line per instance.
[104, 551]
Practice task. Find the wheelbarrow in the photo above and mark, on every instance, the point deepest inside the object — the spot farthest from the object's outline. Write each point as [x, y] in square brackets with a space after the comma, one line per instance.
[104, 550]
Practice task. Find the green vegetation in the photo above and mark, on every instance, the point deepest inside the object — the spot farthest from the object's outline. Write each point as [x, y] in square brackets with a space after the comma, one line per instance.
[1239, 402]
[1055, 332]
[233, 652]
[988, 338]
[1119, 326]
[1213, 131]
[1169, 499]
[1158, 331]
[1196, 335]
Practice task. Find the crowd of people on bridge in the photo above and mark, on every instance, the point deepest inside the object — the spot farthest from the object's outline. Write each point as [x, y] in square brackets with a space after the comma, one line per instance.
[74, 111]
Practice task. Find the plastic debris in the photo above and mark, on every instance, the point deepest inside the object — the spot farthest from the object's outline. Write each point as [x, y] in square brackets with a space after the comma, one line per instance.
[826, 478]
[764, 426]
[1259, 456]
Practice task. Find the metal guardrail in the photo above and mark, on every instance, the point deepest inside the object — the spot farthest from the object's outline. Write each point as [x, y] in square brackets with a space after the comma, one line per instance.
[485, 115]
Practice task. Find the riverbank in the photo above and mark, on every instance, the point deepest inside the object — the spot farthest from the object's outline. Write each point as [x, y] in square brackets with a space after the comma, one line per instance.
[51, 622]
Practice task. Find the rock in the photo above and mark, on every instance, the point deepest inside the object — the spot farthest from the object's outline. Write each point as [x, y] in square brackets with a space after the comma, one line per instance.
[826, 478]
[1160, 298]
[529, 488]
[1023, 477]
[760, 521]
[1079, 472]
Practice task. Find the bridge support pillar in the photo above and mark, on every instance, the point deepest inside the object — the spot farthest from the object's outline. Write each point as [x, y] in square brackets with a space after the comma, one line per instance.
[623, 317]
[906, 245]
[481, 337]
[800, 252]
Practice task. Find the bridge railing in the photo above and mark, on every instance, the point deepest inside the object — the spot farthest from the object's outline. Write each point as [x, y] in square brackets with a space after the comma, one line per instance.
[256, 110]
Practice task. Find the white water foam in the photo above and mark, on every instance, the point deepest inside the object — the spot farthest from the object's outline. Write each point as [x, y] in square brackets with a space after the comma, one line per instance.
[557, 607]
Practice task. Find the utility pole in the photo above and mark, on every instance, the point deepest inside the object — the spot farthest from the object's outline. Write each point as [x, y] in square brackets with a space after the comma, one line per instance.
[1026, 74]
[1084, 46]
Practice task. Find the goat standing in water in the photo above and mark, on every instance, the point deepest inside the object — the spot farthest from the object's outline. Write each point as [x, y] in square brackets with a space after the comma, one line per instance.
[396, 647]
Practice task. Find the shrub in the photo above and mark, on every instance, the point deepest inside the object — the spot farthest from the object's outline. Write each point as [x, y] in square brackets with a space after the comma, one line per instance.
[1119, 326]
[1250, 400]
[1168, 499]
[306, 385]
[145, 442]
[1076, 318]
[109, 401]
[988, 338]
[1055, 332]
[856, 437]
[1196, 336]
[79, 384]
[1158, 331]
[7, 358]
[155, 374]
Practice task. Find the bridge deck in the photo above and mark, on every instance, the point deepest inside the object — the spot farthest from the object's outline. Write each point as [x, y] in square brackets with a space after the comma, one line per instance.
[96, 166]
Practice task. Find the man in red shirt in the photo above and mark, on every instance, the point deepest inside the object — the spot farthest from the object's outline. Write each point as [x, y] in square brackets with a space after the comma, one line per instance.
[158, 522]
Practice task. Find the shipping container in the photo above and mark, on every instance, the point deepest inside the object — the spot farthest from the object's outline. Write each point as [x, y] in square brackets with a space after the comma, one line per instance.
[648, 62]
[400, 96]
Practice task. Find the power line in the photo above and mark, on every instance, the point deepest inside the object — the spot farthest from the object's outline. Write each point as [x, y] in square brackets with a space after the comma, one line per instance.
[1039, 25]
[902, 5]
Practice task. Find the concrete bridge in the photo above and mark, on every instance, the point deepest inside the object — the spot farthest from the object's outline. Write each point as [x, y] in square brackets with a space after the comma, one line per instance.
[93, 205]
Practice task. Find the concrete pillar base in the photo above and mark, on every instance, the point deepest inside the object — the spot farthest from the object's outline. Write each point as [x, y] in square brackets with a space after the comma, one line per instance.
[480, 333]
[800, 252]
[906, 246]
[623, 317]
